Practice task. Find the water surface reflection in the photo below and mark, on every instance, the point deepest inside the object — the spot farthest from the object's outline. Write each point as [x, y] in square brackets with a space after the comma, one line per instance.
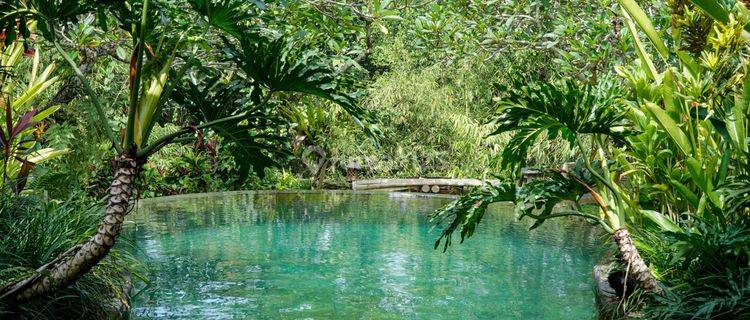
[343, 255]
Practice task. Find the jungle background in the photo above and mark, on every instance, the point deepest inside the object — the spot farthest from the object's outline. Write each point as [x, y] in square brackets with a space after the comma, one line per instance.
[430, 71]
[648, 99]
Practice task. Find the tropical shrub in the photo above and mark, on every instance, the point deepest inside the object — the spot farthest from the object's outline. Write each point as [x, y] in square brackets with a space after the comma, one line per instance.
[668, 159]
[20, 136]
[708, 268]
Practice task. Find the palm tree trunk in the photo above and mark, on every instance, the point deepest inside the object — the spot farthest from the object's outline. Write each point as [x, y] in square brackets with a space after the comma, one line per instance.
[71, 265]
[637, 268]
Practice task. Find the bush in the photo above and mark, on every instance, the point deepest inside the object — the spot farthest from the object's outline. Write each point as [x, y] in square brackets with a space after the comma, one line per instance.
[33, 232]
[708, 271]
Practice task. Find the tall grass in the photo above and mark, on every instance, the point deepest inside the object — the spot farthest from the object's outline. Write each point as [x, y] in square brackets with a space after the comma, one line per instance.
[33, 232]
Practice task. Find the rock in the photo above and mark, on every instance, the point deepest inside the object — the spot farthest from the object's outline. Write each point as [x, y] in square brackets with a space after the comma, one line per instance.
[352, 170]
[119, 306]
[606, 296]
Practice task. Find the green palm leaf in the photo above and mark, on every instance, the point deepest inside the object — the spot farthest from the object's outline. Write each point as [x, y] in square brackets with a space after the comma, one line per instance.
[560, 109]
[251, 139]
[285, 65]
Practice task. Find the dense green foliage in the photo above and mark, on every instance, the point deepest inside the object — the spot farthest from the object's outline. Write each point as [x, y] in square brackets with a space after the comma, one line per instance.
[669, 158]
[423, 74]
[35, 231]
[228, 86]
[650, 101]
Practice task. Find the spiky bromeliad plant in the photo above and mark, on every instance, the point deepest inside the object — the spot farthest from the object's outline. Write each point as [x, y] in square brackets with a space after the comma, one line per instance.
[163, 34]
[21, 118]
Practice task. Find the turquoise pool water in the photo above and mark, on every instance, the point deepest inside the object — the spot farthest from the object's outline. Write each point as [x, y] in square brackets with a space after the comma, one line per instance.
[336, 255]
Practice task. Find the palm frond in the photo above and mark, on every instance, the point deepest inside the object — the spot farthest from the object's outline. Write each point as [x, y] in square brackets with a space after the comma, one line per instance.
[467, 211]
[280, 64]
[557, 109]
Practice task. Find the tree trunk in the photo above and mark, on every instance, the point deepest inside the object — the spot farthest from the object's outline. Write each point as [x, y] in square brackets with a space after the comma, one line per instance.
[71, 265]
[632, 260]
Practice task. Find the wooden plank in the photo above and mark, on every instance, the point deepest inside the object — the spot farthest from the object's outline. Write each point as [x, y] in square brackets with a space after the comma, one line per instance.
[401, 184]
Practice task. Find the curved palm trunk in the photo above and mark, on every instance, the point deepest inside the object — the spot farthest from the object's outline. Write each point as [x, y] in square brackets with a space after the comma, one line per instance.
[637, 268]
[77, 261]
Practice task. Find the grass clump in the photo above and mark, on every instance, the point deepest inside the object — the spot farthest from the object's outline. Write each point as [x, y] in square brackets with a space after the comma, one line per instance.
[33, 232]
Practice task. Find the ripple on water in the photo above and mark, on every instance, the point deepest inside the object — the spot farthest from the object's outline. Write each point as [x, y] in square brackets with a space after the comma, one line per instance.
[338, 255]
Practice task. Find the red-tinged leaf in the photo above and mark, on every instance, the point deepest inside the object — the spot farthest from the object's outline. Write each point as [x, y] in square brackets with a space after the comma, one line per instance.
[23, 123]
[3, 141]
[133, 66]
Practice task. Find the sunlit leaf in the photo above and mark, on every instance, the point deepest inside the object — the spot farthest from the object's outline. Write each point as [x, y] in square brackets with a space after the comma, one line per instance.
[713, 9]
[670, 126]
[643, 21]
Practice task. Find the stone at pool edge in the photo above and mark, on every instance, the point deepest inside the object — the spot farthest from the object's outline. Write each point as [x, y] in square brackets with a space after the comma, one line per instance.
[606, 297]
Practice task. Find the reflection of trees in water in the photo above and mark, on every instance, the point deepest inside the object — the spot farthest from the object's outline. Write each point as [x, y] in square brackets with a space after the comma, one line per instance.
[243, 208]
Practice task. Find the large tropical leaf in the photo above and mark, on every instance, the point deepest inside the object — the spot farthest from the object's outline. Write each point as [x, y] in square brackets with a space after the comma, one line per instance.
[15, 15]
[466, 212]
[648, 64]
[642, 20]
[537, 198]
[253, 148]
[669, 125]
[714, 9]
[227, 15]
[50, 14]
[736, 193]
[251, 139]
[559, 109]
[279, 64]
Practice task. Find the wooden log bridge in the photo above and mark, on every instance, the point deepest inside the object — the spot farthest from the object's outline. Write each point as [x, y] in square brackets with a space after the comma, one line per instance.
[426, 185]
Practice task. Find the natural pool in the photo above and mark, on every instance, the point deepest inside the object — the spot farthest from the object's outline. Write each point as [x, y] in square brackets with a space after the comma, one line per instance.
[342, 255]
